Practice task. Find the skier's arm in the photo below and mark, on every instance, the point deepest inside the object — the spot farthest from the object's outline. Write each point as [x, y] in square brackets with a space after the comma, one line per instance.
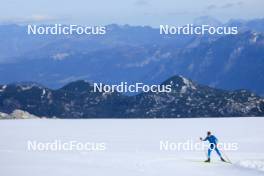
[205, 139]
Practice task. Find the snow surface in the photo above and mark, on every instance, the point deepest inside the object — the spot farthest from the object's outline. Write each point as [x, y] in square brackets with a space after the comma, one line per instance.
[132, 147]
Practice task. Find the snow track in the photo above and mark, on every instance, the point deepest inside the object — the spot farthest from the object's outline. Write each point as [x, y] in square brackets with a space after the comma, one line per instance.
[132, 147]
[252, 164]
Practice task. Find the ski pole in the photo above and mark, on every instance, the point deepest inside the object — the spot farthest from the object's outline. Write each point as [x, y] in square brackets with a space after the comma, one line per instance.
[204, 150]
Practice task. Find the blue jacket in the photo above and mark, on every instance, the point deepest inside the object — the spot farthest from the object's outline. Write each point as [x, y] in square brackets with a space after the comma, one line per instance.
[212, 139]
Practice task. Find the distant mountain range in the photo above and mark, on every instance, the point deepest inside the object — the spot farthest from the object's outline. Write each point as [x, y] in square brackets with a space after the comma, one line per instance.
[136, 54]
[230, 62]
[78, 100]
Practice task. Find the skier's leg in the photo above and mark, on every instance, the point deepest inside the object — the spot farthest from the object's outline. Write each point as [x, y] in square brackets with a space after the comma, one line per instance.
[209, 153]
[219, 154]
[211, 147]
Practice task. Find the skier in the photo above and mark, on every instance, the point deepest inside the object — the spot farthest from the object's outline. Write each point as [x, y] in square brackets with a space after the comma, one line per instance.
[213, 146]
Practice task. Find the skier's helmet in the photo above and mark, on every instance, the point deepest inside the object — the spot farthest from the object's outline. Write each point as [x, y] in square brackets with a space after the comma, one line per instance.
[209, 133]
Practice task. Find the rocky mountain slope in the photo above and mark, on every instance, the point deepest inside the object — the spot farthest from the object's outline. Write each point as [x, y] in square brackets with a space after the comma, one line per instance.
[78, 100]
[18, 114]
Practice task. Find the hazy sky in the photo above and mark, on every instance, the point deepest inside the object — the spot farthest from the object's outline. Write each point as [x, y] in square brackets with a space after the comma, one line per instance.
[135, 12]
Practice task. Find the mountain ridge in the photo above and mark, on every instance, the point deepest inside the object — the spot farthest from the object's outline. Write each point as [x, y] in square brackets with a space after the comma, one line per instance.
[136, 53]
[78, 100]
